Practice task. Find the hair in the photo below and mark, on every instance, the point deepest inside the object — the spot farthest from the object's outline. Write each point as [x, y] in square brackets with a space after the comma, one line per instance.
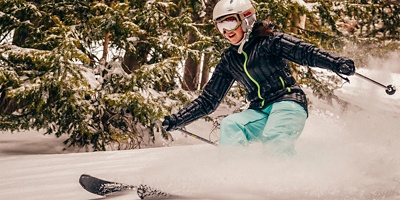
[264, 28]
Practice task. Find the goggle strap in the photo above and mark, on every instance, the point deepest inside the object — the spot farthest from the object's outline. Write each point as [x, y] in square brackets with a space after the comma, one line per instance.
[247, 13]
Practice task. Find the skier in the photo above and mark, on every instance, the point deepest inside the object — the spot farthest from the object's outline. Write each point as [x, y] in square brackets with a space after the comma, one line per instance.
[256, 59]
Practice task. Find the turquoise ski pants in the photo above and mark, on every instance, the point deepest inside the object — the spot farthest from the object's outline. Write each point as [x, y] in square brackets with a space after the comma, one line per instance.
[277, 126]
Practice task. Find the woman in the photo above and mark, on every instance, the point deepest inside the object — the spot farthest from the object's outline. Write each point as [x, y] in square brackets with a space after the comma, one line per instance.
[257, 60]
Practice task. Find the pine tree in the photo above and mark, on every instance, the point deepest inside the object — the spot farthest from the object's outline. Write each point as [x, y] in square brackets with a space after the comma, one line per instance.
[42, 86]
[47, 70]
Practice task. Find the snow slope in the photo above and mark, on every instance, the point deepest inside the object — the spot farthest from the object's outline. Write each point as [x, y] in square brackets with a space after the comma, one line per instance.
[352, 154]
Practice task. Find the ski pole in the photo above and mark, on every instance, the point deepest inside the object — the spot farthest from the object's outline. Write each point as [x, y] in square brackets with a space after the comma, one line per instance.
[194, 135]
[197, 137]
[390, 89]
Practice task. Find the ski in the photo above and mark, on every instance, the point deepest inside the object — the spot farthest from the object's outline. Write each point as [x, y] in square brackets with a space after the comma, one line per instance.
[104, 188]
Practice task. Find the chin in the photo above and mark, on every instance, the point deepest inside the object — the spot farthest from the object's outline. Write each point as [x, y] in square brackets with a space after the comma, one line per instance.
[234, 41]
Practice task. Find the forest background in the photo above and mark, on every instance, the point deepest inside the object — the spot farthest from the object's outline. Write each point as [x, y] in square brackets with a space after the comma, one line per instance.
[105, 72]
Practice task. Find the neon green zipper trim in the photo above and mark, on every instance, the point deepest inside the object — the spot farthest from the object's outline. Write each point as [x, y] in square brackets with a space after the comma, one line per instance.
[252, 79]
[283, 84]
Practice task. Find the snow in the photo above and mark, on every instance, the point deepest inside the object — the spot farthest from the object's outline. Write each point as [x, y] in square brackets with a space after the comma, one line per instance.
[352, 154]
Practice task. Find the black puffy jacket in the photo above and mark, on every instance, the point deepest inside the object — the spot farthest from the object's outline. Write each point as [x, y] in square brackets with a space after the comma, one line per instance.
[263, 72]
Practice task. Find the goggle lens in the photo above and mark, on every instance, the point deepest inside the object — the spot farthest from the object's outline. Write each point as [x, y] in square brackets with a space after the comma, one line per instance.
[229, 23]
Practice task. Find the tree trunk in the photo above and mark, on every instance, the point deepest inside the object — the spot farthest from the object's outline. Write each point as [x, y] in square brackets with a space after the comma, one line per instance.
[130, 62]
[205, 73]
[192, 69]
[105, 47]
[297, 21]
[20, 36]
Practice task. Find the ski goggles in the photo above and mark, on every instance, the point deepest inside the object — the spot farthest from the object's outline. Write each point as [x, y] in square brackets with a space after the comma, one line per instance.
[228, 23]
[233, 21]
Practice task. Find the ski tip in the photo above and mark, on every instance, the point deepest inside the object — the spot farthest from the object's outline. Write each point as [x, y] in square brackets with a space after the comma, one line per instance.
[102, 187]
[83, 180]
[92, 184]
[84, 176]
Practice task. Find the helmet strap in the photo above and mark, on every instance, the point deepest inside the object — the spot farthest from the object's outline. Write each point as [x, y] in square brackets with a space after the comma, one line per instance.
[246, 36]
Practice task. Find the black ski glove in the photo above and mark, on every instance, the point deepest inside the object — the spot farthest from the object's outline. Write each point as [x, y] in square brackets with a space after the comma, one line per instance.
[346, 67]
[169, 123]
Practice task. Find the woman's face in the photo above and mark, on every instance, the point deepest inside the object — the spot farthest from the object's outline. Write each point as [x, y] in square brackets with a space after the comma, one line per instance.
[234, 36]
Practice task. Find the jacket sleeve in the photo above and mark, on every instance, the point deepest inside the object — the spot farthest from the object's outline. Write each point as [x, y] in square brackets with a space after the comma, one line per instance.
[303, 53]
[212, 95]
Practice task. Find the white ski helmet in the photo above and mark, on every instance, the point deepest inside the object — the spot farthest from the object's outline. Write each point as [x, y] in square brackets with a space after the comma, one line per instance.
[244, 13]
[243, 9]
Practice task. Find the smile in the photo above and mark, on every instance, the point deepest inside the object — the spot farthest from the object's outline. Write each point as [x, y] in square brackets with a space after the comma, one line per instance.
[230, 34]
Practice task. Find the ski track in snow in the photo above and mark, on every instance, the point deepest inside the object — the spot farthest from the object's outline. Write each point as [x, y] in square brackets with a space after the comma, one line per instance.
[351, 154]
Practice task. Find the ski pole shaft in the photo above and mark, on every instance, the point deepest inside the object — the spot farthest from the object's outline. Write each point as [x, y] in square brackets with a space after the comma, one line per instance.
[390, 89]
[373, 81]
[197, 137]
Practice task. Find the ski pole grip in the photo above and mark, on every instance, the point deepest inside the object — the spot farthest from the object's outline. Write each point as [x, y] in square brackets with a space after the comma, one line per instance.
[345, 69]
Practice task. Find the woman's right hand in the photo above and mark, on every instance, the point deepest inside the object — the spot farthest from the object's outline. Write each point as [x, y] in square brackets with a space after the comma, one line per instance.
[169, 123]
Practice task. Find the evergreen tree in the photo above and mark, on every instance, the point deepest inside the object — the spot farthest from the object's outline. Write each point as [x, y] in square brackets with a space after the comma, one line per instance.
[46, 70]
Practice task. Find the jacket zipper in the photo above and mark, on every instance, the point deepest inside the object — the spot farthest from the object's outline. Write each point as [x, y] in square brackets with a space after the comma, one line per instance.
[252, 79]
